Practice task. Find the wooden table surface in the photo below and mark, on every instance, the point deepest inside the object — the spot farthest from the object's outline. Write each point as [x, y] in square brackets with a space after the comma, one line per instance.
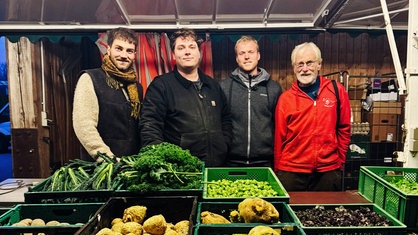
[341, 197]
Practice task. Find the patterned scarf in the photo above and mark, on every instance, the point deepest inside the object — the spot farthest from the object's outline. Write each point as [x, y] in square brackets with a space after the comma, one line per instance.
[117, 79]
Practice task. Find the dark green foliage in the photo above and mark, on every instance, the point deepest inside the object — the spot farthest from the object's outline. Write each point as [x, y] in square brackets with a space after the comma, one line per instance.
[155, 167]
[164, 166]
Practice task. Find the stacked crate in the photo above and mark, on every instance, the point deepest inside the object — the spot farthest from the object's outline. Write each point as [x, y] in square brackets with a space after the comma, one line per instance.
[384, 118]
[359, 149]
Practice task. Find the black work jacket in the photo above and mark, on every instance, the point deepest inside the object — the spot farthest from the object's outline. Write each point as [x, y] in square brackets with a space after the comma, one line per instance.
[175, 111]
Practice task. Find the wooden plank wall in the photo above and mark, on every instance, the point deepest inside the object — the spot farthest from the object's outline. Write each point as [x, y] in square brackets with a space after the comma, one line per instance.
[32, 84]
[361, 54]
[25, 111]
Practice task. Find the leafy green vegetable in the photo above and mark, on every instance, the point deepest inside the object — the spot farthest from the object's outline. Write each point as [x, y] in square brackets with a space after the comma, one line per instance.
[155, 167]
[164, 166]
[69, 176]
[406, 185]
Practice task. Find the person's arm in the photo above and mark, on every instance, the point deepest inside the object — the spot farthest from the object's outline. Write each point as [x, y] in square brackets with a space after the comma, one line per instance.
[344, 124]
[279, 132]
[86, 117]
[153, 113]
[226, 119]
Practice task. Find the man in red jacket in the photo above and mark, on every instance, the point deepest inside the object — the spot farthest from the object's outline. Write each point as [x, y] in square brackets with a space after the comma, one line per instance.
[311, 135]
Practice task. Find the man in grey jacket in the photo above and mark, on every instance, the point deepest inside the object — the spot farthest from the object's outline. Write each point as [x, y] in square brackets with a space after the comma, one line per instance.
[252, 96]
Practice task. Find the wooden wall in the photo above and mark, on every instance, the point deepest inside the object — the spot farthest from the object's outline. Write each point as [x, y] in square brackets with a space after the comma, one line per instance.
[40, 146]
[362, 54]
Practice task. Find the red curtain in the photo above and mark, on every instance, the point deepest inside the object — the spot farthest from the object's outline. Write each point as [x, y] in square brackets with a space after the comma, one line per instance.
[206, 62]
[154, 56]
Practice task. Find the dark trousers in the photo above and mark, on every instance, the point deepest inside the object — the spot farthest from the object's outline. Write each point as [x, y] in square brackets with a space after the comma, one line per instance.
[315, 181]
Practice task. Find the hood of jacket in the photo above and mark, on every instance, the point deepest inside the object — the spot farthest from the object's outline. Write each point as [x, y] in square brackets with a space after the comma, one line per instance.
[250, 81]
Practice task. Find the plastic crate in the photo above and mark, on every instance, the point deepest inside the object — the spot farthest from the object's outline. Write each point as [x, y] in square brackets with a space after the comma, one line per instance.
[36, 195]
[287, 219]
[241, 230]
[374, 187]
[235, 173]
[398, 228]
[174, 209]
[75, 214]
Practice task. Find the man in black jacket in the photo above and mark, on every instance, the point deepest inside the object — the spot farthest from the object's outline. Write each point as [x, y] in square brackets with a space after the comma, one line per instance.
[186, 107]
[252, 96]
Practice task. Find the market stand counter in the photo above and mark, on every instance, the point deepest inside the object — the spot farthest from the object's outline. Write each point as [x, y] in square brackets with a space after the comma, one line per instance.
[340, 197]
[12, 190]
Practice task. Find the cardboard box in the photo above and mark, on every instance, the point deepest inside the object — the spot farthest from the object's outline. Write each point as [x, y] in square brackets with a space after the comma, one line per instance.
[386, 107]
[391, 104]
[384, 96]
[382, 119]
[357, 94]
[355, 103]
[355, 106]
[383, 133]
[356, 114]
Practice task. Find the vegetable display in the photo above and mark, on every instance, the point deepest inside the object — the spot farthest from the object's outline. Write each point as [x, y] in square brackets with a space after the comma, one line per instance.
[239, 188]
[164, 166]
[319, 216]
[136, 221]
[406, 185]
[250, 210]
[155, 167]
[40, 222]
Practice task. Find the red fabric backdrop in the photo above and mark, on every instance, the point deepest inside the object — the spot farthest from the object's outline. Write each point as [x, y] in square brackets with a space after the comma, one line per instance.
[154, 56]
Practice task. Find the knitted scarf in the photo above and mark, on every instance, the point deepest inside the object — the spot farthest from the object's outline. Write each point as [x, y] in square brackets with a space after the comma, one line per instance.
[117, 79]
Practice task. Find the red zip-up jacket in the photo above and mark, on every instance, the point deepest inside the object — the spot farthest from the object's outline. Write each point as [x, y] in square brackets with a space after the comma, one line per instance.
[306, 139]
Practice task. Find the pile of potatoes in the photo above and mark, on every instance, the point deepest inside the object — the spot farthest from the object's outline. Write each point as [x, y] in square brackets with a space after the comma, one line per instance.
[134, 222]
[41, 222]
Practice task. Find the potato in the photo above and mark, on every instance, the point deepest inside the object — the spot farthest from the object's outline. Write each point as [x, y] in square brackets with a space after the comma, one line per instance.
[155, 225]
[38, 222]
[53, 223]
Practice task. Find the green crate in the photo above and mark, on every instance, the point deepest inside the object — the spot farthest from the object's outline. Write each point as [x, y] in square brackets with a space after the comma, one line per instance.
[235, 173]
[174, 209]
[76, 214]
[287, 219]
[398, 228]
[374, 187]
[240, 230]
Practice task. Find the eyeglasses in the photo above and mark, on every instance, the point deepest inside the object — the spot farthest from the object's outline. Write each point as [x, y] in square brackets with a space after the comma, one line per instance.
[310, 64]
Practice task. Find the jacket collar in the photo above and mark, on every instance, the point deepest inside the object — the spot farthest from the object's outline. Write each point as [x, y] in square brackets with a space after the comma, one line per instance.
[187, 83]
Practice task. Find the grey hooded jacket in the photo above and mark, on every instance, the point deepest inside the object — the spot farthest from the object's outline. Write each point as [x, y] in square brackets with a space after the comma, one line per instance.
[252, 101]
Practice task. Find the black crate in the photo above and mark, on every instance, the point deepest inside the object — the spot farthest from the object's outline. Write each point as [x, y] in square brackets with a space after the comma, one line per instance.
[76, 214]
[174, 209]
[398, 228]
